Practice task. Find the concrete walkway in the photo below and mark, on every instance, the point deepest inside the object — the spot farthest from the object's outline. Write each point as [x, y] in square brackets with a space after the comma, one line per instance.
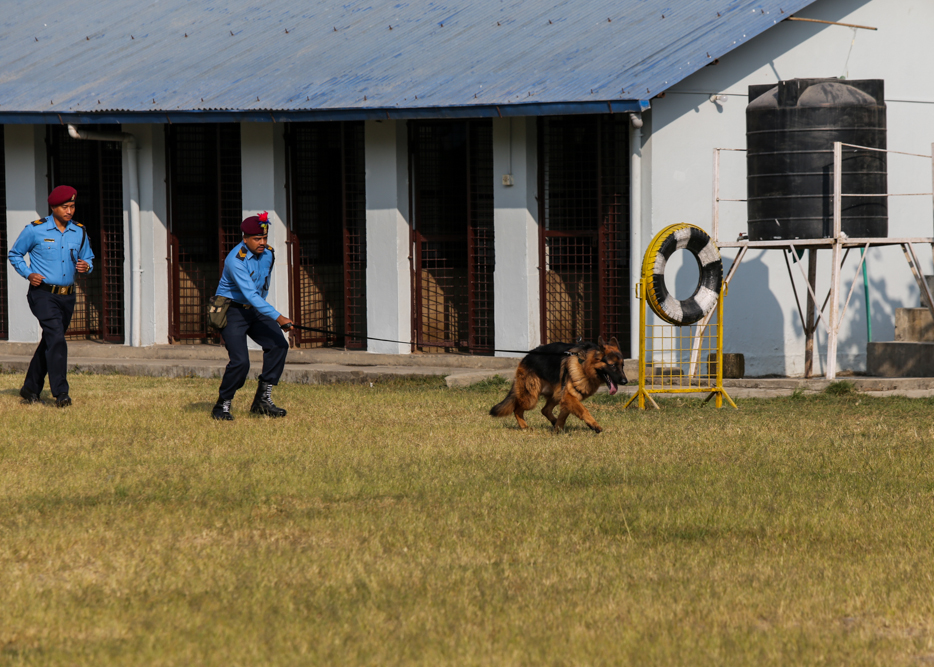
[317, 366]
[326, 366]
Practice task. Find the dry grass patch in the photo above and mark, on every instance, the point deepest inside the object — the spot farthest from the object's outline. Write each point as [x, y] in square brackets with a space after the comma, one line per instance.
[400, 524]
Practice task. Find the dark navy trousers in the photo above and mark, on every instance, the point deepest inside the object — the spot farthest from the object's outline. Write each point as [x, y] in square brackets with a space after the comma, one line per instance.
[54, 313]
[266, 333]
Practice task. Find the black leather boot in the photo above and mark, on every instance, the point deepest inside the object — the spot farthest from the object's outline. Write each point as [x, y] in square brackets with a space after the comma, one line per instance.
[221, 411]
[29, 397]
[262, 402]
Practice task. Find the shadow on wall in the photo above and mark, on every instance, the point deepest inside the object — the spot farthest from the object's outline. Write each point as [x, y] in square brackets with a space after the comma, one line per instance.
[882, 307]
[754, 323]
[755, 316]
[854, 335]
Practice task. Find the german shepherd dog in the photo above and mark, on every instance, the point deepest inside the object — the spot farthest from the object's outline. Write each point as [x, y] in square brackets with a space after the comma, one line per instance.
[565, 375]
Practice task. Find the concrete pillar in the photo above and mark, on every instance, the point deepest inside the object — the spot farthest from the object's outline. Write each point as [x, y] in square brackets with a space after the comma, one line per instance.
[388, 267]
[154, 249]
[26, 201]
[262, 147]
[517, 298]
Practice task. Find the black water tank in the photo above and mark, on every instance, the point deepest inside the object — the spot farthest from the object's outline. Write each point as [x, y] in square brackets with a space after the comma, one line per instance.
[790, 130]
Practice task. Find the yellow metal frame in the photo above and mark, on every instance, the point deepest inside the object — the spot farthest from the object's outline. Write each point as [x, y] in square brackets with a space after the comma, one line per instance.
[644, 394]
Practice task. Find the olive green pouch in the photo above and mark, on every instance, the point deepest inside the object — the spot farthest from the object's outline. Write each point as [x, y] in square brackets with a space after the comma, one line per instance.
[217, 311]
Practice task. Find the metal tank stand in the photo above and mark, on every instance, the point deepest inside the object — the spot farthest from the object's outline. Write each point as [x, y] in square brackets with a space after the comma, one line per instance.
[839, 245]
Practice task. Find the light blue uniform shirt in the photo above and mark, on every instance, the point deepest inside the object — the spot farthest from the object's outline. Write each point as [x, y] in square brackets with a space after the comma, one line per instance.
[52, 253]
[246, 278]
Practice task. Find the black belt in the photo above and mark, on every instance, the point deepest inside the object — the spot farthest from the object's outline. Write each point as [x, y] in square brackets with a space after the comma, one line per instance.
[244, 306]
[56, 289]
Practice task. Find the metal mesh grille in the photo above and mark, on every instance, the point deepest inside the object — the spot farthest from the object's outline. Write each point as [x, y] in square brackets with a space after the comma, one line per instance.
[453, 235]
[4, 308]
[112, 240]
[206, 205]
[328, 233]
[95, 170]
[481, 260]
[615, 293]
[355, 235]
[584, 183]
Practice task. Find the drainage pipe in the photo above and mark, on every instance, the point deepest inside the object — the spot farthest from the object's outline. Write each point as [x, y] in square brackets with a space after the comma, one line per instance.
[136, 269]
[635, 228]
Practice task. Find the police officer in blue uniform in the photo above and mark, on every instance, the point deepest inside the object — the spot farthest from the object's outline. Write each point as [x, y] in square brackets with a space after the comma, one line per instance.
[57, 248]
[245, 281]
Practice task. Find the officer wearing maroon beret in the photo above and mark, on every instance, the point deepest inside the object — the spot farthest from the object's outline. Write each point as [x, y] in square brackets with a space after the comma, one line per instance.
[245, 281]
[58, 247]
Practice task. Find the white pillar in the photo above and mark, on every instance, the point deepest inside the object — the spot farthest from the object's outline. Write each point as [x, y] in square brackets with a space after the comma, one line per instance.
[516, 293]
[635, 228]
[154, 262]
[262, 150]
[388, 267]
[26, 201]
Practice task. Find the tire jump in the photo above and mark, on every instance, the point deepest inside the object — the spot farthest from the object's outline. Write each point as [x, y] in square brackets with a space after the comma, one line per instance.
[695, 240]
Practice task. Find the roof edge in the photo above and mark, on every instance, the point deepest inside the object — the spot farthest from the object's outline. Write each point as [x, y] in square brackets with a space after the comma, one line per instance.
[319, 115]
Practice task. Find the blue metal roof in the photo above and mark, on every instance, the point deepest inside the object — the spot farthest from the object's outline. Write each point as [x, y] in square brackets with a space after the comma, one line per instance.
[242, 60]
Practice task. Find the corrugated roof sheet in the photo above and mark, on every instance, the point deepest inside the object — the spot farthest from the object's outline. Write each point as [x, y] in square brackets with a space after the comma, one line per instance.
[357, 58]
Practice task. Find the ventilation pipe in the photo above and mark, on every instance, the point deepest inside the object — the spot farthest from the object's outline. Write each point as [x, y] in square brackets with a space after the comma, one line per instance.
[635, 227]
[136, 270]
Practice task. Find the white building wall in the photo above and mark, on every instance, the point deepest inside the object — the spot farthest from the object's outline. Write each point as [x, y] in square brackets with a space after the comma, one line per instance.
[388, 267]
[262, 149]
[154, 301]
[263, 187]
[26, 197]
[516, 301]
[762, 320]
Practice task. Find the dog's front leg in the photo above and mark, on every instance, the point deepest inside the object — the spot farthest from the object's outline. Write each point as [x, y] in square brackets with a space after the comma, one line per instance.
[572, 405]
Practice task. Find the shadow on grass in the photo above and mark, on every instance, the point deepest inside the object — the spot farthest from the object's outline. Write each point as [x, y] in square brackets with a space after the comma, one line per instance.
[14, 393]
[411, 383]
[200, 406]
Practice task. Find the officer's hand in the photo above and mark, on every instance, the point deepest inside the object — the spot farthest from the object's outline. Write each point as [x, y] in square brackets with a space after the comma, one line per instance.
[82, 266]
[284, 322]
[35, 279]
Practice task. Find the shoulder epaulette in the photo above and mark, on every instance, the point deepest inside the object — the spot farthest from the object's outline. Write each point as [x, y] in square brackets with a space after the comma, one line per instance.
[38, 222]
[270, 249]
[77, 223]
[241, 254]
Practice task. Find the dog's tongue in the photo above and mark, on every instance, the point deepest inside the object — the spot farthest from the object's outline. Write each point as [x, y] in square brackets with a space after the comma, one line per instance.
[611, 386]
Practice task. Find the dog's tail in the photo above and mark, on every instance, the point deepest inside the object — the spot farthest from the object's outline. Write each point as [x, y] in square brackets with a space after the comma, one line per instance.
[506, 406]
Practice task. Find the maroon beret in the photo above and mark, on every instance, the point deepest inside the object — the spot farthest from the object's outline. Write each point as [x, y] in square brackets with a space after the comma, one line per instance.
[62, 194]
[256, 225]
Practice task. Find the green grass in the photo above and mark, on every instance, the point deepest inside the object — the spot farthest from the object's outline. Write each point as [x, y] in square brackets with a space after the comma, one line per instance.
[400, 524]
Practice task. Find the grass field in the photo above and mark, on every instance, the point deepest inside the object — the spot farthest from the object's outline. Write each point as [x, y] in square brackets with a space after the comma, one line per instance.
[399, 524]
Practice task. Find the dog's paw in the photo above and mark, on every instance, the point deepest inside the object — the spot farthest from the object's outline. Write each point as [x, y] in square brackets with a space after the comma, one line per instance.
[596, 428]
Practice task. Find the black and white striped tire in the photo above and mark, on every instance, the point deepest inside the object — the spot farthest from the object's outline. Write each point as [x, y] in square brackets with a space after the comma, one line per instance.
[704, 299]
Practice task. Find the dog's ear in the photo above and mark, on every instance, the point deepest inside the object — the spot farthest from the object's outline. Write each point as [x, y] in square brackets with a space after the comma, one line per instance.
[615, 343]
[600, 341]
